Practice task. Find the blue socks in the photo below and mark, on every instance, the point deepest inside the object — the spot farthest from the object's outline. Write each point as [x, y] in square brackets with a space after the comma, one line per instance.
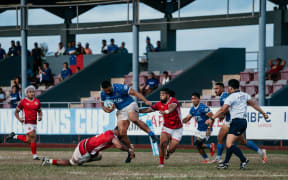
[208, 146]
[252, 145]
[204, 156]
[220, 149]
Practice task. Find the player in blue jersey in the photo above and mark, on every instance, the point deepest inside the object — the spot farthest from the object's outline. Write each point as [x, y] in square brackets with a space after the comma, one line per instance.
[201, 113]
[220, 91]
[127, 109]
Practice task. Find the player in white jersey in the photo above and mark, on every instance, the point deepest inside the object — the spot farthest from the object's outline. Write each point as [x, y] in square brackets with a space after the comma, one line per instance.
[236, 103]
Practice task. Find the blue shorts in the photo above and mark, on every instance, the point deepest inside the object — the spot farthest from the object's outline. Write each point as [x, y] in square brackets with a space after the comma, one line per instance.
[237, 126]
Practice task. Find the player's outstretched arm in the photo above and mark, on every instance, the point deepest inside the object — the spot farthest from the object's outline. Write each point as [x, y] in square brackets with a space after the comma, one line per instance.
[221, 112]
[171, 108]
[16, 113]
[187, 118]
[146, 110]
[257, 108]
[132, 92]
[117, 143]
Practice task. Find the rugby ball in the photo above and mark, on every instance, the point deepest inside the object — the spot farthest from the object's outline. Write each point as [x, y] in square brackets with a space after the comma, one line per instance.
[108, 103]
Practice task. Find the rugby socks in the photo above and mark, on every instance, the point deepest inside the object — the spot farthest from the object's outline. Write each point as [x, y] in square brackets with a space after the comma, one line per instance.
[20, 137]
[234, 149]
[220, 148]
[253, 146]
[205, 157]
[161, 159]
[33, 148]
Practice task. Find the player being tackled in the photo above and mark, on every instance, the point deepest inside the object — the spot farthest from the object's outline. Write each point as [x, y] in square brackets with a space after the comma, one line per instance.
[90, 149]
[31, 108]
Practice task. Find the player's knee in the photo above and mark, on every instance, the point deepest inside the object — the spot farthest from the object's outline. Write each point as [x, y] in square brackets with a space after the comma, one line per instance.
[243, 141]
[163, 144]
[198, 144]
[228, 145]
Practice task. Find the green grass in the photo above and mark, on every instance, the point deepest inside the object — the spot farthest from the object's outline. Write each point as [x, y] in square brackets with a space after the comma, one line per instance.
[184, 164]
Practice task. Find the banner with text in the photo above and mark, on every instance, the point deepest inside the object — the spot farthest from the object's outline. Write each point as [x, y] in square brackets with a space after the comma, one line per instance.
[60, 121]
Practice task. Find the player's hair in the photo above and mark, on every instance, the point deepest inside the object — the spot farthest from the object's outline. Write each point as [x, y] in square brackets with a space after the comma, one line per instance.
[165, 72]
[106, 84]
[66, 63]
[220, 84]
[196, 94]
[116, 128]
[168, 91]
[234, 83]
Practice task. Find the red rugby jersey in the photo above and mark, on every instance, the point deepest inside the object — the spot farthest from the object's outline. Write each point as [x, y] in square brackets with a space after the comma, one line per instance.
[173, 119]
[30, 110]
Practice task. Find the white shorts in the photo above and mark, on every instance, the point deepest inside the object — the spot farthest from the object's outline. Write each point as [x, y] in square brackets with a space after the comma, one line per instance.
[227, 123]
[77, 158]
[201, 135]
[123, 113]
[175, 134]
[28, 128]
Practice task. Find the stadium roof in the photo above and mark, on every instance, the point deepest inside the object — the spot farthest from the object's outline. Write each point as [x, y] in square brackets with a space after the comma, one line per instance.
[164, 6]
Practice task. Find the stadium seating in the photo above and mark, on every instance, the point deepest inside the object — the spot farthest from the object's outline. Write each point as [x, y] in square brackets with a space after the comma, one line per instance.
[247, 75]
[284, 74]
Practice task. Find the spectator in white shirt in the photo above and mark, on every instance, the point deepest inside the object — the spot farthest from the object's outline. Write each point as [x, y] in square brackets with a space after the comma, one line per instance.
[61, 50]
[166, 78]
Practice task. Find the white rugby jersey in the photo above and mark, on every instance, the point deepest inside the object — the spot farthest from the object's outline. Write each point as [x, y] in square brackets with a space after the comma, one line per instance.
[237, 102]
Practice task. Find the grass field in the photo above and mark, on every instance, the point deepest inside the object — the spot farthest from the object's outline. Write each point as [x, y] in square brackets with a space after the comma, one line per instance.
[184, 164]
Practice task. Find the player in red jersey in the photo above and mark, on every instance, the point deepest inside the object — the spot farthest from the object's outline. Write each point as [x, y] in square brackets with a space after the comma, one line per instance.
[90, 149]
[31, 108]
[172, 128]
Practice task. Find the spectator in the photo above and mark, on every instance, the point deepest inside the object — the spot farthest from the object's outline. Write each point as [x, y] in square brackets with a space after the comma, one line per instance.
[122, 49]
[77, 69]
[2, 97]
[61, 50]
[73, 43]
[45, 75]
[166, 78]
[104, 47]
[79, 49]
[275, 66]
[66, 71]
[112, 48]
[70, 50]
[158, 48]
[30, 74]
[18, 47]
[149, 46]
[12, 50]
[37, 57]
[17, 82]
[150, 85]
[2, 53]
[14, 97]
[87, 49]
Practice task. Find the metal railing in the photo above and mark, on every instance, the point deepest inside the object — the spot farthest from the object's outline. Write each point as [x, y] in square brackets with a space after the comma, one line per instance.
[183, 103]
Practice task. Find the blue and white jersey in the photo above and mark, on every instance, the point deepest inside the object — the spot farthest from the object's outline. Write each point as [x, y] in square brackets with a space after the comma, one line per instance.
[200, 114]
[222, 99]
[237, 102]
[120, 96]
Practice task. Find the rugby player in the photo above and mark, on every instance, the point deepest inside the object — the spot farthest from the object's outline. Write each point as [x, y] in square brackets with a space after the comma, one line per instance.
[127, 109]
[237, 103]
[172, 129]
[31, 108]
[201, 113]
[90, 149]
[220, 91]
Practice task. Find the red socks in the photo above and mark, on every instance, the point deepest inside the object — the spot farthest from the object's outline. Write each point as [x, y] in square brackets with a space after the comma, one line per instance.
[33, 148]
[54, 162]
[161, 159]
[21, 138]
